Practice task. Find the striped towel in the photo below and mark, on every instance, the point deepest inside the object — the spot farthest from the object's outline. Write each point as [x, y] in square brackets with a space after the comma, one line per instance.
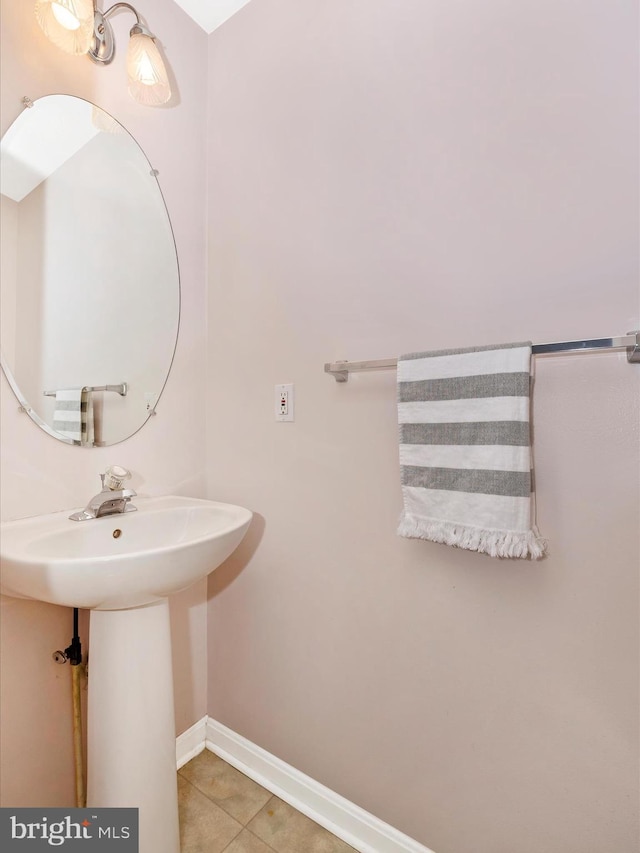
[465, 450]
[73, 415]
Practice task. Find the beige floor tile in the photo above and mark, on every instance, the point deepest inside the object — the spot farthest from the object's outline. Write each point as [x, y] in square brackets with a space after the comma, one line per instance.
[247, 842]
[204, 826]
[238, 795]
[288, 831]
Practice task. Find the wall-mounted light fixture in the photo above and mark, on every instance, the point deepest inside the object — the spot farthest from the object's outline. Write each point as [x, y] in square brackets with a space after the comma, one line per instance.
[77, 26]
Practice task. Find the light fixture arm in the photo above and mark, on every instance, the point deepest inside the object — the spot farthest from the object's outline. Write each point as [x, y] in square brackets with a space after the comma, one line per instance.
[115, 6]
[103, 46]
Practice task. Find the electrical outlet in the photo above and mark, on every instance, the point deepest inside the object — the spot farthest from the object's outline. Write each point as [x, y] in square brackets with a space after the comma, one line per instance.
[284, 402]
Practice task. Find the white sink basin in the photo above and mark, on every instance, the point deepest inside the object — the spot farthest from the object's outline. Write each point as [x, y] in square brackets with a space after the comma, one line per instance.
[119, 561]
[122, 567]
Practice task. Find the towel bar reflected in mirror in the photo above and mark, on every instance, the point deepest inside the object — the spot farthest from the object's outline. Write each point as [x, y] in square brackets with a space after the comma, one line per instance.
[121, 389]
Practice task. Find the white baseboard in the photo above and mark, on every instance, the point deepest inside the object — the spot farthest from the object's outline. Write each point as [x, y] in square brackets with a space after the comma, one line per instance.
[362, 830]
[191, 743]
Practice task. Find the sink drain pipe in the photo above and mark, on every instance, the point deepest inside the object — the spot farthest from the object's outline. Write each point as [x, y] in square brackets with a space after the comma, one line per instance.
[74, 656]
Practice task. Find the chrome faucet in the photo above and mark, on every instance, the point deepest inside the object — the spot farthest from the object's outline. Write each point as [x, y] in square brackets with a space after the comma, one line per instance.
[112, 500]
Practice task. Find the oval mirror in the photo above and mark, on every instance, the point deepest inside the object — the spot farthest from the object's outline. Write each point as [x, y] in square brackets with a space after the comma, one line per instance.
[89, 283]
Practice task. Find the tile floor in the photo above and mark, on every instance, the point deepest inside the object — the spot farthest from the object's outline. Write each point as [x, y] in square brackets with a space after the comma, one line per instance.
[221, 809]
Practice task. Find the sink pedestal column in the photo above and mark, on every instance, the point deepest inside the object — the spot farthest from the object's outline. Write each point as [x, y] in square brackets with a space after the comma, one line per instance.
[131, 724]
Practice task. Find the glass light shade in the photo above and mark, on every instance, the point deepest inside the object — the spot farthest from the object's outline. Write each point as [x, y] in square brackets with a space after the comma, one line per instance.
[104, 122]
[67, 23]
[148, 80]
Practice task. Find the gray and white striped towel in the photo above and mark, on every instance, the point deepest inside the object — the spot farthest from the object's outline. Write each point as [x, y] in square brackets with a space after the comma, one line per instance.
[73, 415]
[465, 451]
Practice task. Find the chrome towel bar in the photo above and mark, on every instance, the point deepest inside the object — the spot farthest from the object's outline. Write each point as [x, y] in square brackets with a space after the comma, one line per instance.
[340, 370]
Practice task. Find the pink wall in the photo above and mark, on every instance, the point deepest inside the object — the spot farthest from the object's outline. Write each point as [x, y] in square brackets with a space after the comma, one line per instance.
[386, 177]
[383, 177]
[167, 456]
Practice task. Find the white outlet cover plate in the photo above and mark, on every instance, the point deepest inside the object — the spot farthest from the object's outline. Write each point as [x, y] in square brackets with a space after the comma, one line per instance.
[286, 390]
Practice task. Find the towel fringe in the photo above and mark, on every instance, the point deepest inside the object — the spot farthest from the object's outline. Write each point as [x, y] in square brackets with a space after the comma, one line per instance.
[496, 543]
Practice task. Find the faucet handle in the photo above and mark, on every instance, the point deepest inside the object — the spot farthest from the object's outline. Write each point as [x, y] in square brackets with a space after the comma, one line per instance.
[114, 477]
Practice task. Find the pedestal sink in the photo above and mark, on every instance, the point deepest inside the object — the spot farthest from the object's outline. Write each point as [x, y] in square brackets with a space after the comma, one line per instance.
[122, 568]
